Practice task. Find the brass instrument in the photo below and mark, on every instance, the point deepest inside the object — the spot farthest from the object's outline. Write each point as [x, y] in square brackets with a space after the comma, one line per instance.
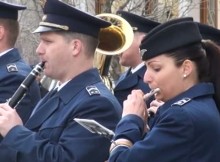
[113, 40]
[116, 38]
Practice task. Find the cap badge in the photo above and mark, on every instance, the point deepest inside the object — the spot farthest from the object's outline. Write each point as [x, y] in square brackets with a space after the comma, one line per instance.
[143, 51]
[135, 28]
[44, 17]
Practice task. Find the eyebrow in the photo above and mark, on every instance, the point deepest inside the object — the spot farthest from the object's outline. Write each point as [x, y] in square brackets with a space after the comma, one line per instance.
[150, 62]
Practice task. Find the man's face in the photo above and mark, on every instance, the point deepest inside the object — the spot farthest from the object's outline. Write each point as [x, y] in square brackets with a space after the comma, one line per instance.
[55, 51]
[131, 57]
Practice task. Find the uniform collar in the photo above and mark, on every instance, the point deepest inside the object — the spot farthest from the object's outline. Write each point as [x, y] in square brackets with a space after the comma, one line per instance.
[133, 70]
[11, 56]
[198, 90]
[60, 86]
[79, 83]
[2, 53]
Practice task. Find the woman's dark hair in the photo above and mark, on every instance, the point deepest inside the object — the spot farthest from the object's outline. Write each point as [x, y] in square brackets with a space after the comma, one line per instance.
[213, 56]
[206, 56]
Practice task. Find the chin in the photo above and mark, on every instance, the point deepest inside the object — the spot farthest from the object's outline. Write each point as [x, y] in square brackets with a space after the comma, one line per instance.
[47, 73]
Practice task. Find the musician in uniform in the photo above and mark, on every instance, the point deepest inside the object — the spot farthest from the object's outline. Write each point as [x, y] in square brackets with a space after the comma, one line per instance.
[131, 58]
[68, 40]
[187, 125]
[209, 33]
[13, 69]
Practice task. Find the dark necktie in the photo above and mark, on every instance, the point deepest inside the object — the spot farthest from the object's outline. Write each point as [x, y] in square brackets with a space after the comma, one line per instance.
[129, 73]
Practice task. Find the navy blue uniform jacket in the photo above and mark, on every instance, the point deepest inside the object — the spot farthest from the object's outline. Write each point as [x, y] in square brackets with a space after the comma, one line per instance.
[128, 83]
[13, 70]
[51, 134]
[186, 129]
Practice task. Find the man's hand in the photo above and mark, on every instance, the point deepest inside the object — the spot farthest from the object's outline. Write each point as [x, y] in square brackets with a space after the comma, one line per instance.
[8, 119]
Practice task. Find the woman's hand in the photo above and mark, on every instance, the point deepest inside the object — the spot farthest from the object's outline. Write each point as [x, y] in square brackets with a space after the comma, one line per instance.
[136, 105]
[154, 105]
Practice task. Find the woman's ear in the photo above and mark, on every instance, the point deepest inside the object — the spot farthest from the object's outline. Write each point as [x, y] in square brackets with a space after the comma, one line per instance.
[187, 68]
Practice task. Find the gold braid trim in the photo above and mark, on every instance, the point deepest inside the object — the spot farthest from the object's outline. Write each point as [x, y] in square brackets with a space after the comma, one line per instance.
[54, 25]
[120, 142]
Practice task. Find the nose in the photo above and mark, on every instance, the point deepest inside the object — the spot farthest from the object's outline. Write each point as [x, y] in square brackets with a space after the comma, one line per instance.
[39, 49]
[147, 77]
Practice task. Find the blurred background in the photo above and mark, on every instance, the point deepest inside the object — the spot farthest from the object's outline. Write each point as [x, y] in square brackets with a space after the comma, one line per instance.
[204, 11]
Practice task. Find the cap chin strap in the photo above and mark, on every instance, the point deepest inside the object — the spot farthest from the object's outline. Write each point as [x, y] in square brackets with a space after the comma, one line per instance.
[63, 27]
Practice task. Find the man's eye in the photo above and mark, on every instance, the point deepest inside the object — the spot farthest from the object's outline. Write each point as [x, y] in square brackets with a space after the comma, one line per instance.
[47, 41]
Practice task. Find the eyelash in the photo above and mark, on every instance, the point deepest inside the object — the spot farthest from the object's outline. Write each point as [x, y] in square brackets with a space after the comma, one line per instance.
[47, 41]
[154, 68]
[157, 69]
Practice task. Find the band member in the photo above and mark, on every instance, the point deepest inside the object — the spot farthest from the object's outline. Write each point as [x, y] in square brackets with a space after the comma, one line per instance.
[209, 32]
[13, 69]
[187, 125]
[68, 40]
[131, 58]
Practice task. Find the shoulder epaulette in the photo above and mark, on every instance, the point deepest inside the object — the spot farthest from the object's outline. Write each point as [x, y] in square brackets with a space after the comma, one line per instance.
[92, 90]
[12, 68]
[181, 102]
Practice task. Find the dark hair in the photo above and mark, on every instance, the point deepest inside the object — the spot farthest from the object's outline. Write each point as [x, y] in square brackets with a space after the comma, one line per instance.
[206, 56]
[213, 56]
[12, 29]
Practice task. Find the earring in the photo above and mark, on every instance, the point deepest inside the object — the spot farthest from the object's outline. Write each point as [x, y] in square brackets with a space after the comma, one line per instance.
[184, 75]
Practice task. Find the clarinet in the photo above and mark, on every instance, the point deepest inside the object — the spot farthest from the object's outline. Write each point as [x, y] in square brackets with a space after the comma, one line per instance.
[22, 89]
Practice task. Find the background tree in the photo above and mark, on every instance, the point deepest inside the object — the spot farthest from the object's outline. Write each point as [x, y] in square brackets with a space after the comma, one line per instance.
[158, 10]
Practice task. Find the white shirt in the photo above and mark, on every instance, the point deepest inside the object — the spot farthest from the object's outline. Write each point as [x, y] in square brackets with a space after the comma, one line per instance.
[133, 70]
[59, 87]
[1, 54]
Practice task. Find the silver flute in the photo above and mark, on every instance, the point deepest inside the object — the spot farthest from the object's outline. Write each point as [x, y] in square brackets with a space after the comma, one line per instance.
[147, 96]
[151, 93]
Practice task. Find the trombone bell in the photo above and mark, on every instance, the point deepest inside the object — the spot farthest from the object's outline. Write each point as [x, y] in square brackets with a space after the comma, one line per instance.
[116, 38]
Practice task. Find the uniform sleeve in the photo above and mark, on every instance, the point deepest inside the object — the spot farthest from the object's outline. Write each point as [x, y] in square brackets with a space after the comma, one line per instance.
[169, 140]
[9, 84]
[69, 142]
[130, 127]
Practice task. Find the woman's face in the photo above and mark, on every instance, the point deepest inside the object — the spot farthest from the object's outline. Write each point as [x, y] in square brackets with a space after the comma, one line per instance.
[164, 74]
